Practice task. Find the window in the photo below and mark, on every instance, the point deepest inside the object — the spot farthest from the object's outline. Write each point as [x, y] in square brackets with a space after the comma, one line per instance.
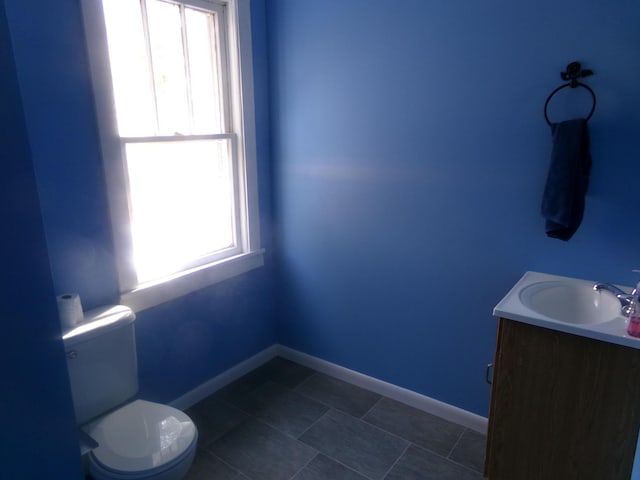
[174, 93]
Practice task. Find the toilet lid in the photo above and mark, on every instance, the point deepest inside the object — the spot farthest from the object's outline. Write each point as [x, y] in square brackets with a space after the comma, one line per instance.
[141, 436]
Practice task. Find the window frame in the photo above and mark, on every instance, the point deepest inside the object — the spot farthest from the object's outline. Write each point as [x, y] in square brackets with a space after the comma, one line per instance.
[241, 125]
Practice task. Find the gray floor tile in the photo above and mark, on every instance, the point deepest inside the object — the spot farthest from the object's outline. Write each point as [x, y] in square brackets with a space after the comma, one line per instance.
[420, 464]
[282, 408]
[470, 449]
[207, 466]
[285, 372]
[261, 452]
[238, 389]
[418, 427]
[323, 468]
[344, 396]
[355, 443]
[213, 418]
[278, 370]
[247, 431]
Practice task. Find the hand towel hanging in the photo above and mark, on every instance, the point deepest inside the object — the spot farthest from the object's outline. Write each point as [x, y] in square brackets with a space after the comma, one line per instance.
[568, 179]
[563, 200]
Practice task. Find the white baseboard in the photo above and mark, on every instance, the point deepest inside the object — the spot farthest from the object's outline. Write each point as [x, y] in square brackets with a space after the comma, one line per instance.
[408, 397]
[209, 387]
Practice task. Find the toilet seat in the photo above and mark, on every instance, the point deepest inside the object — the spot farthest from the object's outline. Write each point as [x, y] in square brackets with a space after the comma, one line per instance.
[141, 440]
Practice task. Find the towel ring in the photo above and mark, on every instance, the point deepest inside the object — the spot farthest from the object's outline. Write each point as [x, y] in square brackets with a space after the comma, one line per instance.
[571, 84]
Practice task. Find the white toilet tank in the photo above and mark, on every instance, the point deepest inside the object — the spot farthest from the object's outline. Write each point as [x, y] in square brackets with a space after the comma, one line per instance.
[101, 360]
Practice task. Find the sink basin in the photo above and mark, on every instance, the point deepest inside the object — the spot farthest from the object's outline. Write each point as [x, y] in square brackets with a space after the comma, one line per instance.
[568, 305]
[574, 302]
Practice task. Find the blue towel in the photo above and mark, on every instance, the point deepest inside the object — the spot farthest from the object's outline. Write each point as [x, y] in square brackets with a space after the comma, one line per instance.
[568, 179]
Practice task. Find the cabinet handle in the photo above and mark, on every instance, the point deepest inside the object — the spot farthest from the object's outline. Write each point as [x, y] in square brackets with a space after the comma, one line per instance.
[488, 376]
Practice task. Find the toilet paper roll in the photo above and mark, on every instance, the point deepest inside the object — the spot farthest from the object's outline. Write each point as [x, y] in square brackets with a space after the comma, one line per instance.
[69, 310]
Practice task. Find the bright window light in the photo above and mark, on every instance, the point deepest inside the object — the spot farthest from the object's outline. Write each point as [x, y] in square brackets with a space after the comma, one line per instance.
[167, 68]
[180, 211]
[173, 89]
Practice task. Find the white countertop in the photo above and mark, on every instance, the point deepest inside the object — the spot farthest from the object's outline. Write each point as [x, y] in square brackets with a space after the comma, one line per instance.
[511, 307]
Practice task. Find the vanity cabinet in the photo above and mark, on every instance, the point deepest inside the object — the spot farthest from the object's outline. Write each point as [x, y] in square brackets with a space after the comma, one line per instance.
[562, 406]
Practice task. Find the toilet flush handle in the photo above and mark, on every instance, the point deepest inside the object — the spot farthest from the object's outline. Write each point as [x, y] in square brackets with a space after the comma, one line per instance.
[72, 354]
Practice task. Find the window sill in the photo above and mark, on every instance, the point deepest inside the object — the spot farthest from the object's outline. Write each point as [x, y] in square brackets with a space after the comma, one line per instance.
[169, 288]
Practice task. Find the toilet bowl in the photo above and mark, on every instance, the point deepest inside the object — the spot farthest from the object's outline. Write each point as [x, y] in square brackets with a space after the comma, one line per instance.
[136, 439]
[142, 440]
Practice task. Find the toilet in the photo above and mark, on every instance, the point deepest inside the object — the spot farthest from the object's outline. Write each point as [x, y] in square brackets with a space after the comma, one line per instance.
[130, 439]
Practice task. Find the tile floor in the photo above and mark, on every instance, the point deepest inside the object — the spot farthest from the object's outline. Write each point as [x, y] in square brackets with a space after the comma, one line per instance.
[284, 421]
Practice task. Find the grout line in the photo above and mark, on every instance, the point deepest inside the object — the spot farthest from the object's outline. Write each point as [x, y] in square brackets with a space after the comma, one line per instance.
[237, 470]
[317, 400]
[383, 430]
[264, 421]
[376, 427]
[304, 466]
[315, 372]
[207, 446]
[247, 416]
[455, 444]
[329, 456]
[311, 426]
[372, 407]
[320, 452]
[397, 460]
[473, 470]
[361, 419]
[363, 475]
[277, 429]
[252, 416]
[305, 395]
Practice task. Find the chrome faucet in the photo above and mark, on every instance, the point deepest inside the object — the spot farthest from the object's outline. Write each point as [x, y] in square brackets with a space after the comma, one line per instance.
[626, 299]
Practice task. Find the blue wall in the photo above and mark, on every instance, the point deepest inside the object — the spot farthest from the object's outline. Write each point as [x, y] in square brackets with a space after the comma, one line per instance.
[182, 343]
[35, 399]
[410, 156]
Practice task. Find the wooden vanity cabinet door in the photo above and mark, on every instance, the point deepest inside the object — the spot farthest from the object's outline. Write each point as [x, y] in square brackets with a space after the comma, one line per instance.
[562, 407]
[492, 381]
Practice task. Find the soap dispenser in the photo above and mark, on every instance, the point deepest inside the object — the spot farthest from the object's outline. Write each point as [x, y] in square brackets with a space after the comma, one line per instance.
[633, 328]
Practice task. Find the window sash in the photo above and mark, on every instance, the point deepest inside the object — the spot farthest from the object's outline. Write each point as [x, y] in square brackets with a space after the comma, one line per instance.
[238, 243]
[215, 35]
[177, 53]
[237, 20]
